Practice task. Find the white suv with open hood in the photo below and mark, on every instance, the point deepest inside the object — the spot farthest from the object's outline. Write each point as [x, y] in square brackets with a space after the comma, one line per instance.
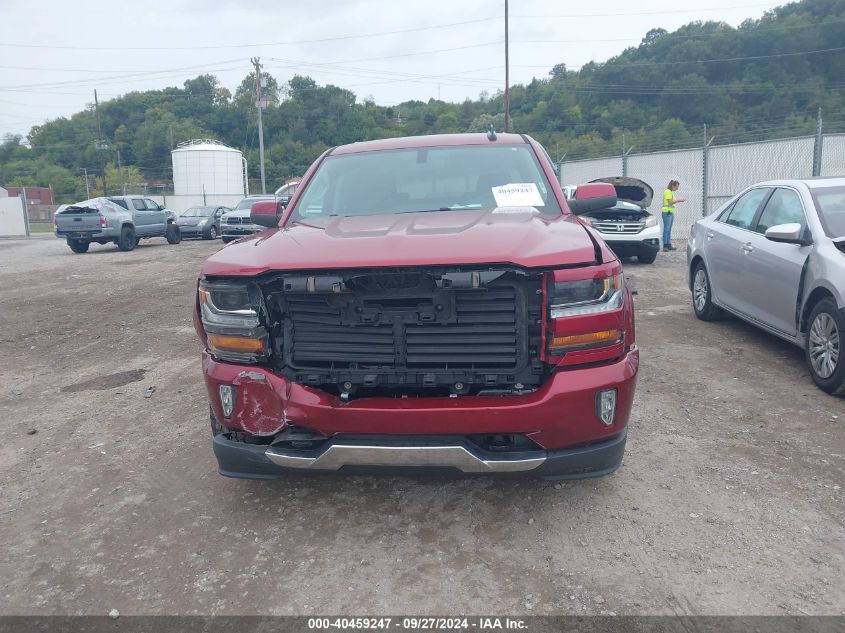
[627, 227]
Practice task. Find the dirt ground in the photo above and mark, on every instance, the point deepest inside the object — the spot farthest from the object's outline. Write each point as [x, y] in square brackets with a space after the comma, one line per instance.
[729, 500]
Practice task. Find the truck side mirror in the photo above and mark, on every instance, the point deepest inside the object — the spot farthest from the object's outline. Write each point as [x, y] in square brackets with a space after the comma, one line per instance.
[592, 197]
[266, 213]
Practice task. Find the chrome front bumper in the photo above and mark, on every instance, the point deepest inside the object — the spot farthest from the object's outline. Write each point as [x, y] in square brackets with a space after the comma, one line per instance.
[338, 455]
[401, 454]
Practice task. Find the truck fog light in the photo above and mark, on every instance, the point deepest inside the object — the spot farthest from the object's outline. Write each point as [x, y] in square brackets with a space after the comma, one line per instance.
[606, 406]
[227, 399]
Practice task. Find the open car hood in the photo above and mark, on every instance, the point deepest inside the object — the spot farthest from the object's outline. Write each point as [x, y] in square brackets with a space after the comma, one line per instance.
[631, 190]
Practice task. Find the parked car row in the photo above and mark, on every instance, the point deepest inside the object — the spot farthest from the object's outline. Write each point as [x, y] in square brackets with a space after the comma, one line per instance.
[126, 220]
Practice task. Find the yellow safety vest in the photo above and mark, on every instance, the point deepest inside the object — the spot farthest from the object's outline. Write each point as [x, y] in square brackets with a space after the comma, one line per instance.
[667, 196]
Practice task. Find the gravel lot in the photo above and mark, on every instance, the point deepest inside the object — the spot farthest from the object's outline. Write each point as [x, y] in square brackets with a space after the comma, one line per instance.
[729, 501]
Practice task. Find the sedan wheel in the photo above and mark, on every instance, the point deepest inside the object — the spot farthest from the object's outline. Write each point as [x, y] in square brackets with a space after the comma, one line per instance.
[212, 233]
[702, 296]
[824, 346]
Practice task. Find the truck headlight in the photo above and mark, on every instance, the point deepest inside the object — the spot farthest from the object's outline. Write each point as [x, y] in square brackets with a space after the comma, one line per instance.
[650, 221]
[587, 296]
[572, 305]
[230, 317]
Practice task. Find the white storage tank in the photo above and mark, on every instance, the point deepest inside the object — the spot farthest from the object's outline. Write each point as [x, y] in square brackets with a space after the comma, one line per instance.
[204, 166]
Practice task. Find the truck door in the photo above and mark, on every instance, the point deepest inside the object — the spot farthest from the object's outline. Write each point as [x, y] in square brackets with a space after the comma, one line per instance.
[158, 217]
[141, 216]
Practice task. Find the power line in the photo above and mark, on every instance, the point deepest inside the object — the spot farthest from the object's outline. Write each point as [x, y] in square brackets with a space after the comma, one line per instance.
[725, 59]
[87, 80]
[254, 45]
[693, 36]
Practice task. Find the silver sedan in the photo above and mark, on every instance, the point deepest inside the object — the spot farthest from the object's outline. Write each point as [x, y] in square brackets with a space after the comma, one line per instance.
[775, 256]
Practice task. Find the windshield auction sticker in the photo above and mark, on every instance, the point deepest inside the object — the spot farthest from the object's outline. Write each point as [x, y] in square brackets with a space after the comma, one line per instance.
[518, 194]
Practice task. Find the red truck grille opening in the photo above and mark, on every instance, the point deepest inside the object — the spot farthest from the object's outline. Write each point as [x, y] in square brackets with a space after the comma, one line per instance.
[483, 335]
[347, 332]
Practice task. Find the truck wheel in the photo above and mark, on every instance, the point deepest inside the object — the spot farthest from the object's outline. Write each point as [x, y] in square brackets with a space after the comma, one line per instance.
[173, 234]
[212, 233]
[78, 246]
[647, 259]
[823, 347]
[702, 295]
[226, 240]
[127, 239]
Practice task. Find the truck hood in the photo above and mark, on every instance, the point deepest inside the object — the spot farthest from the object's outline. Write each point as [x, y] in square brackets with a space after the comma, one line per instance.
[631, 190]
[519, 236]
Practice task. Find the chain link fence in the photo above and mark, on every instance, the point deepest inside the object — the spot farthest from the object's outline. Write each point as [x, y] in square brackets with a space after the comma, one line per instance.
[732, 168]
[833, 155]
[711, 175]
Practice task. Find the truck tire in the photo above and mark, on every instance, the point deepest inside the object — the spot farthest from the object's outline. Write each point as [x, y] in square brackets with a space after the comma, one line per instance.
[78, 246]
[173, 234]
[226, 240]
[127, 239]
[823, 346]
[647, 259]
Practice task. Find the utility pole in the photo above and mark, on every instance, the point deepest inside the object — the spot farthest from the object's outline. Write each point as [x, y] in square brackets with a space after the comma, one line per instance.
[87, 190]
[171, 138]
[705, 171]
[817, 153]
[507, 75]
[259, 101]
[25, 204]
[120, 171]
[100, 144]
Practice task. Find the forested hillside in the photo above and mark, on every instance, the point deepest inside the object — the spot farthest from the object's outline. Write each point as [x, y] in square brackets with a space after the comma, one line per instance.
[764, 79]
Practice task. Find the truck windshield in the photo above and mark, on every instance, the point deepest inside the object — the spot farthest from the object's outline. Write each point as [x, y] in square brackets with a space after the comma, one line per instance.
[427, 179]
[830, 202]
[246, 203]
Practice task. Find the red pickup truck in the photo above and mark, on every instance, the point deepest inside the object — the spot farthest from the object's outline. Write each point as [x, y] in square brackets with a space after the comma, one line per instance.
[421, 303]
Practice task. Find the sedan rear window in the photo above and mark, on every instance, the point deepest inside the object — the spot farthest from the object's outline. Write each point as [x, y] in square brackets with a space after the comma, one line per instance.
[428, 179]
[830, 202]
[198, 212]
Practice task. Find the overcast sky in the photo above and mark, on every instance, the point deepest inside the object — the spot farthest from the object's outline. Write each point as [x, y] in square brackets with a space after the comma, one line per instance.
[54, 53]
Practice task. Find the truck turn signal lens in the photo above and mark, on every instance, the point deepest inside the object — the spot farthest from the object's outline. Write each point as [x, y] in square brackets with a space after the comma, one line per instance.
[590, 339]
[236, 343]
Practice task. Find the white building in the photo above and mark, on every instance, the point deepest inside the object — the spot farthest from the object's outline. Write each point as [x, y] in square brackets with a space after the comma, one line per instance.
[205, 173]
[12, 221]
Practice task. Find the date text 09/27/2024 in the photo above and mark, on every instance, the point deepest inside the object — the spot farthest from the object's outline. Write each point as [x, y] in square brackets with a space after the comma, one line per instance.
[417, 623]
